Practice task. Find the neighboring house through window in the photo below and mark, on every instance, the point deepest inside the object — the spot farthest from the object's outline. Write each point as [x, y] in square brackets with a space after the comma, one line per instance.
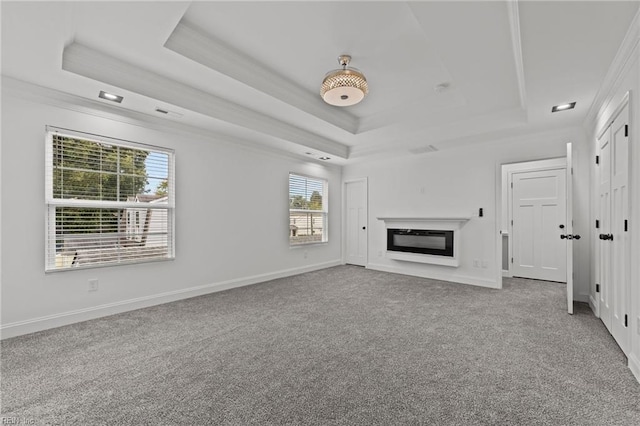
[108, 201]
[307, 209]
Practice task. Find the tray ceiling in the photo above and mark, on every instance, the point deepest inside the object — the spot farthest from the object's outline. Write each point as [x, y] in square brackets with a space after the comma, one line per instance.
[252, 70]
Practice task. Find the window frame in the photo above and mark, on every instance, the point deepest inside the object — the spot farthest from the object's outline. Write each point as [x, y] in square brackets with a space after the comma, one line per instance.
[51, 203]
[324, 212]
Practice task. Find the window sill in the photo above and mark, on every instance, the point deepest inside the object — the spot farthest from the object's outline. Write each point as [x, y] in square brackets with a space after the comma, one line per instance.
[107, 265]
[303, 245]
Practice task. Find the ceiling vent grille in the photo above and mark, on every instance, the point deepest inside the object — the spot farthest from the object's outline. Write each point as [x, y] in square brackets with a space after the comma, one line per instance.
[423, 149]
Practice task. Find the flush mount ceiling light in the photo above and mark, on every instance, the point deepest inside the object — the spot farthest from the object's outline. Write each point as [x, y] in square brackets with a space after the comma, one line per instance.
[563, 107]
[344, 87]
[110, 97]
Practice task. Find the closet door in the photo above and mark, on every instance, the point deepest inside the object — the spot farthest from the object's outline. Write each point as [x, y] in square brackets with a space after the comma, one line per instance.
[619, 214]
[604, 215]
[614, 242]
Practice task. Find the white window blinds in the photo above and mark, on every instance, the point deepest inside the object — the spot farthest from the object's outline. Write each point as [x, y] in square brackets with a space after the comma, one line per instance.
[307, 210]
[108, 201]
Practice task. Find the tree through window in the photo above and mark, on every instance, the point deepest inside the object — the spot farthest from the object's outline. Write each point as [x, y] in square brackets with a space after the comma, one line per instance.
[108, 201]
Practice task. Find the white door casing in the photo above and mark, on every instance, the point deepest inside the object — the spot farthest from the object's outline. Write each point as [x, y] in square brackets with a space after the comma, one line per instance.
[356, 222]
[569, 236]
[538, 211]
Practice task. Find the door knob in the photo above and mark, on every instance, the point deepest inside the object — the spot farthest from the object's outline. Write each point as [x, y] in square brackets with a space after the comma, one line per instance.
[561, 226]
[606, 237]
[570, 237]
[364, 227]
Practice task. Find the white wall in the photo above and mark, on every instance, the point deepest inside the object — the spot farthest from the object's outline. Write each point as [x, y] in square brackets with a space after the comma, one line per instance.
[458, 182]
[220, 188]
[624, 76]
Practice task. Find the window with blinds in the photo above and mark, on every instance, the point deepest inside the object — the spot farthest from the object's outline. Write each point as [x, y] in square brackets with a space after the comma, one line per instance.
[108, 201]
[307, 210]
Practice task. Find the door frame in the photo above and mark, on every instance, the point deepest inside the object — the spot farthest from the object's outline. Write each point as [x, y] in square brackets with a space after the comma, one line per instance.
[504, 220]
[365, 180]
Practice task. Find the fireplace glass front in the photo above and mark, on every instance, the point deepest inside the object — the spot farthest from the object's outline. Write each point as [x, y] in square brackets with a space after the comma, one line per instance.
[423, 241]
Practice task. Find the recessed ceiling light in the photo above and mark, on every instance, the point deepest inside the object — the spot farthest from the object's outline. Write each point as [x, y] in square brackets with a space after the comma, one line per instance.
[110, 96]
[309, 153]
[162, 111]
[325, 158]
[563, 107]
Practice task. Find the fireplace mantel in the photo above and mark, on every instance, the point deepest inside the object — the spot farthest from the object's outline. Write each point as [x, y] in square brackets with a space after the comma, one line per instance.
[425, 222]
[428, 218]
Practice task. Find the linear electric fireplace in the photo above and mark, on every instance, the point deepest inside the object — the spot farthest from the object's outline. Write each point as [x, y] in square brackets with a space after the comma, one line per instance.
[423, 241]
[434, 240]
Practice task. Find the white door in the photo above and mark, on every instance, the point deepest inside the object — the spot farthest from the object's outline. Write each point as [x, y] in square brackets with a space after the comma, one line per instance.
[614, 242]
[356, 222]
[620, 242]
[539, 214]
[604, 219]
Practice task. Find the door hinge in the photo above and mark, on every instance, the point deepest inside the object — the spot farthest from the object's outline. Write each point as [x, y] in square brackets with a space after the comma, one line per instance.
[597, 159]
[512, 260]
[626, 130]
[597, 288]
[597, 224]
[572, 170]
[626, 320]
[511, 184]
[511, 222]
[626, 225]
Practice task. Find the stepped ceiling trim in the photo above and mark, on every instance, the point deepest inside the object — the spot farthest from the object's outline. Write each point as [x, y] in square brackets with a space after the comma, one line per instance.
[195, 44]
[87, 62]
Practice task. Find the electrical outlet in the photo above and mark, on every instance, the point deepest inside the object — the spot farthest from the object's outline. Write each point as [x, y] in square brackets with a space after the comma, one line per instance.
[305, 254]
[93, 284]
[380, 253]
[476, 263]
[485, 264]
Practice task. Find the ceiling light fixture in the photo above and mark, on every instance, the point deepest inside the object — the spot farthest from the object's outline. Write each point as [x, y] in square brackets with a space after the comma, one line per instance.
[110, 97]
[325, 158]
[563, 107]
[344, 87]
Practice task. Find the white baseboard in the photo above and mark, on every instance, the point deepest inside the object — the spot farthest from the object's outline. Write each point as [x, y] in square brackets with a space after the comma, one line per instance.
[19, 328]
[593, 303]
[634, 366]
[461, 279]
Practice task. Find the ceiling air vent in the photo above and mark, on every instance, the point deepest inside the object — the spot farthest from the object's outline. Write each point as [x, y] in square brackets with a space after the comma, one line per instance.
[423, 149]
[167, 112]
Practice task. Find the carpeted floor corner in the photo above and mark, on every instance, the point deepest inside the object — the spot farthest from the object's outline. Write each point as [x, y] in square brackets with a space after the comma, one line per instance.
[340, 346]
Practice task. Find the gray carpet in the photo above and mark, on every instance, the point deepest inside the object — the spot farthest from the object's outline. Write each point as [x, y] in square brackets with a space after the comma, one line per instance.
[343, 346]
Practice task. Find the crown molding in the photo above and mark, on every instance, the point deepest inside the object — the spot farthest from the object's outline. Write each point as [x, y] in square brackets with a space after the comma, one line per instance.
[23, 90]
[193, 43]
[516, 43]
[619, 67]
[87, 62]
